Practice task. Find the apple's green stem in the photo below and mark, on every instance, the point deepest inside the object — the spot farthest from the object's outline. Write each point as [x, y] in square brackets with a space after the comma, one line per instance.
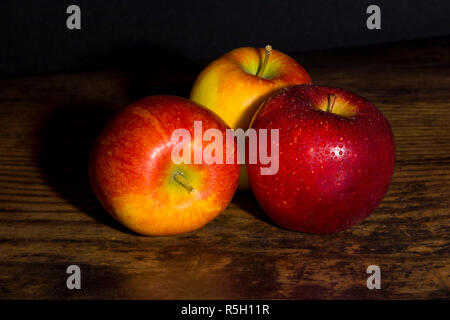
[179, 177]
[331, 101]
[268, 49]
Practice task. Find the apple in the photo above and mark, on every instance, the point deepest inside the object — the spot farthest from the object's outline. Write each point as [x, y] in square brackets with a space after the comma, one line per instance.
[234, 85]
[336, 159]
[133, 174]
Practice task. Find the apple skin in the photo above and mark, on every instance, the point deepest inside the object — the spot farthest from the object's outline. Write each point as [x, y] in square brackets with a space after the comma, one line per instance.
[229, 85]
[131, 169]
[334, 167]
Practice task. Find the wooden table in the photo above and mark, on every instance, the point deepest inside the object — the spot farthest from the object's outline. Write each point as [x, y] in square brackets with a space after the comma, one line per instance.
[50, 218]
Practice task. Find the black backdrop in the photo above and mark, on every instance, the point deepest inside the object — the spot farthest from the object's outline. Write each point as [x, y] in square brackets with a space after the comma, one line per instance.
[143, 34]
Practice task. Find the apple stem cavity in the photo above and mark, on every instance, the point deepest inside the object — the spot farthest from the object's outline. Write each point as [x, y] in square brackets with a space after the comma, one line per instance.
[179, 177]
[331, 101]
[268, 49]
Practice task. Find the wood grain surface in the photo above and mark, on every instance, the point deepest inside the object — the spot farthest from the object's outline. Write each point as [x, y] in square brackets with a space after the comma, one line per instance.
[49, 218]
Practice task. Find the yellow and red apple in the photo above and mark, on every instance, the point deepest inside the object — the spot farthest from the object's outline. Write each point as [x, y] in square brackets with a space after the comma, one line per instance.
[133, 174]
[234, 85]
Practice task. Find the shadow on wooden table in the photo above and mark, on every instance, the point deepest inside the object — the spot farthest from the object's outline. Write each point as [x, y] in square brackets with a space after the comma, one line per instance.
[247, 202]
[65, 143]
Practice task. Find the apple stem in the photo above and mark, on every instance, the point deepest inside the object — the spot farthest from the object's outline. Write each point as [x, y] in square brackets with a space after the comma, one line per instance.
[179, 177]
[268, 49]
[331, 101]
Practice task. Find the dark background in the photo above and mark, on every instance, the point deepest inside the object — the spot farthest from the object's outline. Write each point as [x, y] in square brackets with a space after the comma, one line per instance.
[148, 34]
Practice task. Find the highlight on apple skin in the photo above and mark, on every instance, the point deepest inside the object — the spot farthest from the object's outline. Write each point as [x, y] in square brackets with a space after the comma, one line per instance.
[133, 175]
[336, 159]
[235, 85]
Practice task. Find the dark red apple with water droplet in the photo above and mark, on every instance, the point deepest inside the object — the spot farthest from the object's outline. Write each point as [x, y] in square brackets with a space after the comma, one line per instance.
[336, 159]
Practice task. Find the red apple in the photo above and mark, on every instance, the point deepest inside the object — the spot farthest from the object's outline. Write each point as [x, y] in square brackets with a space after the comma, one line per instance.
[133, 174]
[336, 159]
